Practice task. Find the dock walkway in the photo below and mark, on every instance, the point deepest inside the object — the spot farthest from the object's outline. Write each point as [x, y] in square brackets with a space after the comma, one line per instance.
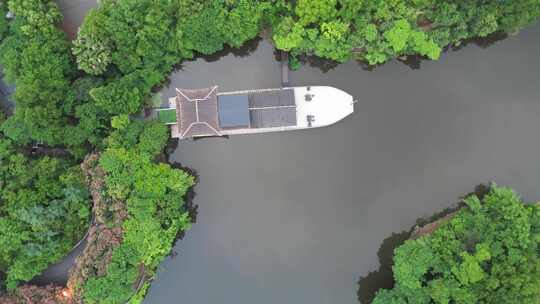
[285, 69]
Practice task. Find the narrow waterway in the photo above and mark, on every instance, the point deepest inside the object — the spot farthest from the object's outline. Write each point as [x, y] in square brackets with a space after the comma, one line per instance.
[6, 104]
[74, 12]
[300, 217]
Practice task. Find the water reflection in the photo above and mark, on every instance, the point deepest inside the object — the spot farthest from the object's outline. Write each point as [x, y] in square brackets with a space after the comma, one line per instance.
[245, 50]
[415, 61]
[483, 42]
[381, 278]
[325, 65]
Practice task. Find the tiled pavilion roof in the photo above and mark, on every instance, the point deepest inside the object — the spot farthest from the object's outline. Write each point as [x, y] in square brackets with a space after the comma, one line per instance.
[197, 112]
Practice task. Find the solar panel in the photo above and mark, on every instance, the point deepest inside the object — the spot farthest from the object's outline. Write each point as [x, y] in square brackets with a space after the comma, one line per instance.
[233, 111]
[272, 98]
[274, 117]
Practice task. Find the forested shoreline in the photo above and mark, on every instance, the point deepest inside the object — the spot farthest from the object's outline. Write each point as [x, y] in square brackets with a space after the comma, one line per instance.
[487, 251]
[80, 97]
[377, 31]
[45, 204]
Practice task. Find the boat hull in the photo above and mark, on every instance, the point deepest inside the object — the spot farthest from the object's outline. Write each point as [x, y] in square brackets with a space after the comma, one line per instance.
[312, 107]
[327, 105]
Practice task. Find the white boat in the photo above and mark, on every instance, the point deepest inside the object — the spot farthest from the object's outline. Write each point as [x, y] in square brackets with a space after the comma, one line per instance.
[207, 112]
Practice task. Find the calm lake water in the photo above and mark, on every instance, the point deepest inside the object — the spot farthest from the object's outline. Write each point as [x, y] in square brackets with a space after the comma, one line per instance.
[299, 217]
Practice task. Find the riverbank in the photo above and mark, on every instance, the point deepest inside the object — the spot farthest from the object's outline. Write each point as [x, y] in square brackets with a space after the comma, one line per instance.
[462, 250]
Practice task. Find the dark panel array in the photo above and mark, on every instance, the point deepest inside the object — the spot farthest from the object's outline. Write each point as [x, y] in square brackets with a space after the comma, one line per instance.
[233, 111]
[269, 118]
[272, 98]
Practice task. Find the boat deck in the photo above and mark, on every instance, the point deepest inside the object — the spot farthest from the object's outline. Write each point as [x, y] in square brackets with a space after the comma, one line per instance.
[266, 108]
[254, 111]
[276, 98]
[272, 117]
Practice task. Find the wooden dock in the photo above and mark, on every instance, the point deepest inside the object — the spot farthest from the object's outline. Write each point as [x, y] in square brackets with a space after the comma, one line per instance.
[285, 69]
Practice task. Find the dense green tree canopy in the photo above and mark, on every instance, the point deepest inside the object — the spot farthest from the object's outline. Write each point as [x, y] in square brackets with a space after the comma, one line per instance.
[139, 34]
[35, 57]
[3, 21]
[125, 48]
[376, 31]
[489, 252]
[138, 42]
[44, 204]
[53, 105]
[43, 212]
[153, 194]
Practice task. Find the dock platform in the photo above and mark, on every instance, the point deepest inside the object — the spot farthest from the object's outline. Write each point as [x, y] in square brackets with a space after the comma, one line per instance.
[285, 69]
